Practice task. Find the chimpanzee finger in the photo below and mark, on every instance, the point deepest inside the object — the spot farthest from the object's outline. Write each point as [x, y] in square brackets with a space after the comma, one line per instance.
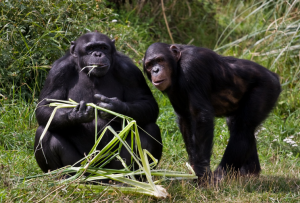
[76, 108]
[82, 106]
[104, 105]
[104, 115]
[102, 98]
[89, 113]
[89, 110]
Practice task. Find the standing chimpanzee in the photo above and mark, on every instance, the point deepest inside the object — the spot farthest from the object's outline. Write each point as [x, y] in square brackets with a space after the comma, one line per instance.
[110, 80]
[201, 85]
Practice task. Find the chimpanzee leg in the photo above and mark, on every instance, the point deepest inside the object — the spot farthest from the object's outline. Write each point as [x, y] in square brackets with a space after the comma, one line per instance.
[152, 143]
[251, 165]
[241, 152]
[56, 152]
[241, 143]
[59, 152]
[202, 143]
[151, 140]
[185, 129]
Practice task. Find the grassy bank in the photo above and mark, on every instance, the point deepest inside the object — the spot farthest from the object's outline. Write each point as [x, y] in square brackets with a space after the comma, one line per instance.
[263, 31]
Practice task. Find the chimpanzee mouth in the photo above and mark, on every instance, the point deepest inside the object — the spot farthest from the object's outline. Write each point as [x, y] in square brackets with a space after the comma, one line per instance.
[158, 82]
[98, 65]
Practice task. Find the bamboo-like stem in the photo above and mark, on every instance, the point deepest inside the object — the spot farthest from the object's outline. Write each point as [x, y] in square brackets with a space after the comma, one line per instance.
[164, 14]
[90, 163]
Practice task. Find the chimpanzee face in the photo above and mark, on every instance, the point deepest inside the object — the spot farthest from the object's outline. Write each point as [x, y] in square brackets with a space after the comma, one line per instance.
[159, 62]
[94, 52]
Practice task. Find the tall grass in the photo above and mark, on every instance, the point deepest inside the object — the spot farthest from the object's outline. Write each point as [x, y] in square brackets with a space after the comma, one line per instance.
[187, 21]
[272, 39]
[33, 34]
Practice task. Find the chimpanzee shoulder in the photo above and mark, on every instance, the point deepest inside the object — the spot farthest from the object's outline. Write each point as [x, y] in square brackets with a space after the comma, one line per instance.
[127, 72]
[62, 70]
[63, 66]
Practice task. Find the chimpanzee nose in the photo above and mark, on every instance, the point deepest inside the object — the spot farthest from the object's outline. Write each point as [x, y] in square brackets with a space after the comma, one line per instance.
[155, 69]
[98, 53]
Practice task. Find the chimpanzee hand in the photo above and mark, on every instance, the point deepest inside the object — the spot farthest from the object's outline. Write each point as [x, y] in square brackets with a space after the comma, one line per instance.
[82, 113]
[113, 104]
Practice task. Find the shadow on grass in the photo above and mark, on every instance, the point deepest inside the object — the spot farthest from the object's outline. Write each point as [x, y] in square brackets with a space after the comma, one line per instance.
[274, 184]
[261, 184]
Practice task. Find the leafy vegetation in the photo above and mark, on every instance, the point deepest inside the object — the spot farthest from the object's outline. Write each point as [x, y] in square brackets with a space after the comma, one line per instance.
[35, 33]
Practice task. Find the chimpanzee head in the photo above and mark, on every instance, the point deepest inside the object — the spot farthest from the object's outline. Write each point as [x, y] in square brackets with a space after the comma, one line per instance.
[94, 52]
[160, 63]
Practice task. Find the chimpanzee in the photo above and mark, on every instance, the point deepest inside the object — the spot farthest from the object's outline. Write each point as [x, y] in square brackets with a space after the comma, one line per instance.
[202, 85]
[93, 71]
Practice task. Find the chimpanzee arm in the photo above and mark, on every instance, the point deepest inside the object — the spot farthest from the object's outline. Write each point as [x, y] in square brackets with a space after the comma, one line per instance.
[185, 129]
[56, 87]
[140, 103]
[202, 127]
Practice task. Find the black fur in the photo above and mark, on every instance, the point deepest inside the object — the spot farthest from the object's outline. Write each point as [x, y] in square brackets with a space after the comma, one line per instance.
[202, 85]
[116, 84]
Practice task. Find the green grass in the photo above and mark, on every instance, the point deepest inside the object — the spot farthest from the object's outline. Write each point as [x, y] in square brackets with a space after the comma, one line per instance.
[263, 31]
[279, 179]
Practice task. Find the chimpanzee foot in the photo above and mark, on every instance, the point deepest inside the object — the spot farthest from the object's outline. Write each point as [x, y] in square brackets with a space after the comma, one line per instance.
[217, 176]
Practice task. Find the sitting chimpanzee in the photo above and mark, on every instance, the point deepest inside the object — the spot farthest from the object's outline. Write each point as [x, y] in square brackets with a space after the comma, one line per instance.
[110, 80]
[201, 85]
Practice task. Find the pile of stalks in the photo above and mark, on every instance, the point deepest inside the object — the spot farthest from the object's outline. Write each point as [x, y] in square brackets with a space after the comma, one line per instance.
[95, 161]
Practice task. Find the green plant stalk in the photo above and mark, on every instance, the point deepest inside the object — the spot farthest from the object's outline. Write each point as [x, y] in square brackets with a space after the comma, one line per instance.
[96, 124]
[112, 188]
[108, 152]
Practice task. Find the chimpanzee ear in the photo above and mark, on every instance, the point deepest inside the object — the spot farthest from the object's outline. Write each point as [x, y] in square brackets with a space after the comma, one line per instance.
[72, 49]
[143, 61]
[176, 52]
[113, 41]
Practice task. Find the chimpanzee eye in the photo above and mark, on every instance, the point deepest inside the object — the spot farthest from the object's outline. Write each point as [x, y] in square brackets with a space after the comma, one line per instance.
[149, 66]
[149, 69]
[160, 60]
[89, 50]
[103, 47]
